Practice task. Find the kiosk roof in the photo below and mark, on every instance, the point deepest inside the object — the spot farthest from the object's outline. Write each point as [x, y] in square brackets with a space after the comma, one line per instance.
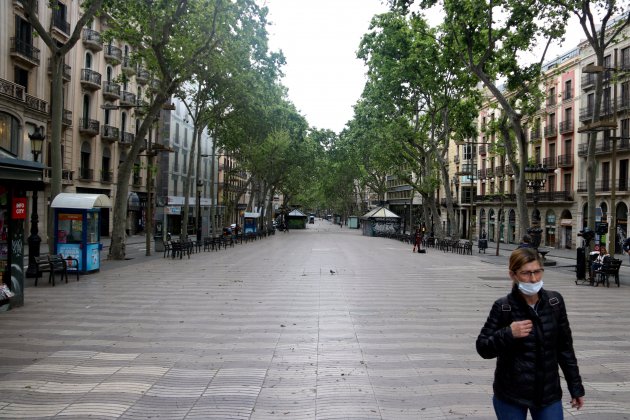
[80, 201]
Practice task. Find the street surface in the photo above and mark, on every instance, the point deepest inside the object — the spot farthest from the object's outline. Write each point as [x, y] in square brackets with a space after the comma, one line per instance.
[322, 323]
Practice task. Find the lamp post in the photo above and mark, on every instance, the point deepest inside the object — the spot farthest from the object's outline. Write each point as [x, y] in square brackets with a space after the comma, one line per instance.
[535, 177]
[34, 241]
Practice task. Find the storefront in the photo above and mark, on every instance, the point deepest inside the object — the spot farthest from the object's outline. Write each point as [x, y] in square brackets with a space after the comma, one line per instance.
[17, 176]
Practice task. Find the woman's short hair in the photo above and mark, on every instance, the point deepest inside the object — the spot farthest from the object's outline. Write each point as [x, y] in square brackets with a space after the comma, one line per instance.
[522, 256]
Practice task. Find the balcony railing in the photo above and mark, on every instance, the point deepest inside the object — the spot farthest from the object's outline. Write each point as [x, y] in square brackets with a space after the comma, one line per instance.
[60, 24]
[92, 39]
[604, 147]
[110, 133]
[66, 176]
[36, 104]
[66, 119]
[111, 90]
[88, 126]
[67, 70]
[588, 80]
[565, 161]
[86, 174]
[482, 150]
[566, 95]
[143, 76]
[136, 180]
[128, 66]
[107, 176]
[24, 51]
[128, 98]
[534, 135]
[551, 102]
[605, 185]
[566, 126]
[112, 53]
[551, 131]
[550, 162]
[127, 138]
[90, 79]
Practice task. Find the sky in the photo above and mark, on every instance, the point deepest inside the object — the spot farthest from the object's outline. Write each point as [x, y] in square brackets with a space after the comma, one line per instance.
[319, 39]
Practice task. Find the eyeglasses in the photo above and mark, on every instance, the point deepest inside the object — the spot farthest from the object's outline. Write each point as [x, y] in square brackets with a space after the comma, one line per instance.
[535, 273]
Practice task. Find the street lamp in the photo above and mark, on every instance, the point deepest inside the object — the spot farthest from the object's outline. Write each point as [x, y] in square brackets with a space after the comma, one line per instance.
[535, 177]
[34, 241]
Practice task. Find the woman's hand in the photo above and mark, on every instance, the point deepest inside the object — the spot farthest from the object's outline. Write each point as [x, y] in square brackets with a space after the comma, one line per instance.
[521, 329]
[577, 402]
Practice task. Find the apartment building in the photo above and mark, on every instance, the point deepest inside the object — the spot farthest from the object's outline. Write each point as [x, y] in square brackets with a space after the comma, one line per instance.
[557, 139]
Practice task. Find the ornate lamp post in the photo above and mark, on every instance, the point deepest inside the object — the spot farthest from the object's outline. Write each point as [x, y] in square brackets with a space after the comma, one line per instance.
[34, 241]
[536, 176]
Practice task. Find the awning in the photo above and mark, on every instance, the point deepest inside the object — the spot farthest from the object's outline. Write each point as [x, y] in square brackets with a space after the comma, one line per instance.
[133, 202]
[81, 201]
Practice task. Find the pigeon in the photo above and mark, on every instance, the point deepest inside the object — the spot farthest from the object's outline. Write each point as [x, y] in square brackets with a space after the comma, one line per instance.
[332, 272]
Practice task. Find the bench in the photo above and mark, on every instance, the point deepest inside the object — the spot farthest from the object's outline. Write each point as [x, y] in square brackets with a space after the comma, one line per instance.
[609, 269]
[53, 264]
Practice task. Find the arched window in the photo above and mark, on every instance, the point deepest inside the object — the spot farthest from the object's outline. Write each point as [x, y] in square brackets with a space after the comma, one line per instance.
[9, 133]
[123, 122]
[106, 164]
[88, 60]
[110, 73]
[86, 107]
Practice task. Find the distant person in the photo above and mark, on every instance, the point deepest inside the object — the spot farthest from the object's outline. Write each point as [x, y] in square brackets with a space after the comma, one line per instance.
[417, 240]
[599, 261]
[528, 333]
[626, 246]
[526, 242]
[484, 235]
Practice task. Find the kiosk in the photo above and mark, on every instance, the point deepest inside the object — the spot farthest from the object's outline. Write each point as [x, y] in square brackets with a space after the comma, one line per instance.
[77, 228]
[251, 222]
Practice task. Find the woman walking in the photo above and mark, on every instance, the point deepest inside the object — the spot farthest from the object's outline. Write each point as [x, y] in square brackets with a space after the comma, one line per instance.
[528, 332]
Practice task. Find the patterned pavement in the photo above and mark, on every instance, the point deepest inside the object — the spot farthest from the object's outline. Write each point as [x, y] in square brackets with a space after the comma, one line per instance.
[315, 324]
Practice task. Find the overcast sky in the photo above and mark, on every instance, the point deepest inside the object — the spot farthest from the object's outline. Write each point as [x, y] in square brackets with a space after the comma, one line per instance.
[319, 39]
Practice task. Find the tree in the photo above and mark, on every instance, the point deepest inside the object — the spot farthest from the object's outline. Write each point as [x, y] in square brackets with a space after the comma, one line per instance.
[169, 38]
[490, 37]
[58, 54]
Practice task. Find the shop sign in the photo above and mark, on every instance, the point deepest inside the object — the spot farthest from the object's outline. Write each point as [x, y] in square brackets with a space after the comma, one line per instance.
[173, 210]
[19, 208]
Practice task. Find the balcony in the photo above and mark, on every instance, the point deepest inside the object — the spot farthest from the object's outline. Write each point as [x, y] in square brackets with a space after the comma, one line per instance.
[136, 180]
[67, 71]
[20, 5]
[126, 139]
[86, 174]
[12, 90]
[107, 176]
[551, 131]
[88, 127]
[482, 150]
[35, 104]
[550, 162]
[605, 185]
[623, 103]
[60, 26]
[586, 113]
[551, 196]
[603, 147]
[551, 102]
[66, 119]
[565, 161]
[143, 76]
[109, 133]
[92, 40]
[25, 53]
[567, 95]
[90, 79]
[111, 90]
[566, 127]
[128, 66]
[490, 172]
[127, 99]
[112, 54]
[467, 169]
[588, 81]
[66, 176]
[534, 135]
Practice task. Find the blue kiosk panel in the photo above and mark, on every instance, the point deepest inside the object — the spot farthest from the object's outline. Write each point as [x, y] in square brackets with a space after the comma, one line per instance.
[77, 228]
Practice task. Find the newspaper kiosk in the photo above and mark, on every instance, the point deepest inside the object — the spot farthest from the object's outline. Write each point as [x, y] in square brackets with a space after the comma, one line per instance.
[77, 228]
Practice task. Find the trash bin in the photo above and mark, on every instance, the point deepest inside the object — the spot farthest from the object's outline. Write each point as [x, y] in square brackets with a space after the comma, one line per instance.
[159, 243]
[580, 269]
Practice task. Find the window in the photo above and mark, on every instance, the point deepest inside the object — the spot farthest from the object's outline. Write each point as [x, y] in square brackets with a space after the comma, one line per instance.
[176, 133]
[567, 183]
[21, 77]
[86, 153]
[60, 21]
[9, 133]
[568, 115]
[88, 60]
[176, 161]
[625, 58]
[568, 89]
[184, 162]
[185, 136]
[23, 36]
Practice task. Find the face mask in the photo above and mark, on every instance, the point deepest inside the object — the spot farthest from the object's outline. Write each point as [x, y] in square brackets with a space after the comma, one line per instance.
[530, 289]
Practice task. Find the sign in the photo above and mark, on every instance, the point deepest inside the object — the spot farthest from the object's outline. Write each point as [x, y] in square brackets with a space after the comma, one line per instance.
[19, 208]
[240, 206]
[173, 210]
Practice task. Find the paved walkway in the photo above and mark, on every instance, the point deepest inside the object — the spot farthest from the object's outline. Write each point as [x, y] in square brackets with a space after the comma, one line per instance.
[315, 324]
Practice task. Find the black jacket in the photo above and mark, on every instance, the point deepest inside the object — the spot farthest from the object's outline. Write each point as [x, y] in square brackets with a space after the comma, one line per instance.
[527, 368]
